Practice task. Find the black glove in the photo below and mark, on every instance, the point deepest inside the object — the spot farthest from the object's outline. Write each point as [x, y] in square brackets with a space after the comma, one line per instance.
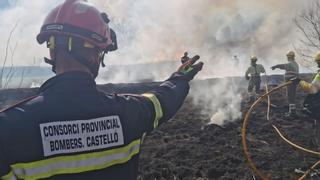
[189, 69]
[295, 80]
[273, 67]
[247, 77]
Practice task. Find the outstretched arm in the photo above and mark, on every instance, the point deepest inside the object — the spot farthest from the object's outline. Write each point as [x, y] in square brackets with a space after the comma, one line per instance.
[171, 93]
[160, 104]
[280, 66]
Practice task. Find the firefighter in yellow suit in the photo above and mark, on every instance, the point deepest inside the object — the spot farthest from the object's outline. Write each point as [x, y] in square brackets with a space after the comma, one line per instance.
[314, 86]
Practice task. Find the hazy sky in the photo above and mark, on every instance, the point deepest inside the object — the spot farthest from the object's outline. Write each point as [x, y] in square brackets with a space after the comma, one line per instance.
[161, 30]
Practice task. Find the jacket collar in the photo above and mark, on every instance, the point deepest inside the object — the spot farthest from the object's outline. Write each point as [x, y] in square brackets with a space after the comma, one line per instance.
[69, 80]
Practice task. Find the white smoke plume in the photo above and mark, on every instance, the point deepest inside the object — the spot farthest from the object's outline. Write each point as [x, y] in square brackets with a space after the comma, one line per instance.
[155, 32]
[219, 98]
[28, 15]
[161, 30]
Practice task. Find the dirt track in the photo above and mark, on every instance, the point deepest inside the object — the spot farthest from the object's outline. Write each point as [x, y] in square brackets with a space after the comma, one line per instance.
[187, 148]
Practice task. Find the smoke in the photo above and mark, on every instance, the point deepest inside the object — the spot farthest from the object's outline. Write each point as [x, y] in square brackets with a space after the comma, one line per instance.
[161, 30]
[156, 32]
[219, 98]
[28, 15]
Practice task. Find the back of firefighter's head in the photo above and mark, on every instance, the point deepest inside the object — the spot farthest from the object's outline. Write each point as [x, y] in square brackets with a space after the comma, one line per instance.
[291, 55]
[253, 59]
[78, 32]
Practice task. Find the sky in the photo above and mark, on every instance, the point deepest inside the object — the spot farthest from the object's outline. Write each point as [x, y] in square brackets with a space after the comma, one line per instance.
[153, 31]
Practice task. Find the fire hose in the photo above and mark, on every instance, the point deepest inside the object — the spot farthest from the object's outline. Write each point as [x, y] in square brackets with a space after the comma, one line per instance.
[244, 133]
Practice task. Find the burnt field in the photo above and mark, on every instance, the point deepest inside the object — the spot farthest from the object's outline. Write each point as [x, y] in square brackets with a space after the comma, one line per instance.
[186, 147]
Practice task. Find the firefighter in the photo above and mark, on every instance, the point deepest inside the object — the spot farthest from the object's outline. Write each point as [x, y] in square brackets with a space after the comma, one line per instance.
[254, 79]
[314, 86]
[184, 58]
[311, 104]
[70, 130]
[291, 71]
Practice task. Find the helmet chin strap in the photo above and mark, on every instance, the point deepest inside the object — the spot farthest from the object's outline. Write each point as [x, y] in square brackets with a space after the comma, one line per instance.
[102, 58]
[52, 62]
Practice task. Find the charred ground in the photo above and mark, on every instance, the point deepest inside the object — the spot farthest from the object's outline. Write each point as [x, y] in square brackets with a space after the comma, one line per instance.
[187, 148]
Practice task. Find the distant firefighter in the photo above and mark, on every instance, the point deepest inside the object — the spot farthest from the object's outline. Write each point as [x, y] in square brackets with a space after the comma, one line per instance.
[185, 57]
[291, 71]
[254, 79]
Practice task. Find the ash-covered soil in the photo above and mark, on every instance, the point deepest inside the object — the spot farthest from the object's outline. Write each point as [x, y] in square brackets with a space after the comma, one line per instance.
[186, 147]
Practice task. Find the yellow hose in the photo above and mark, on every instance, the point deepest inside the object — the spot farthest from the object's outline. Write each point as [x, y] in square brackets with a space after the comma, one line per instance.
[279, 133]
[267, 90]
[309, 171]
[244, 132]
[293, 144]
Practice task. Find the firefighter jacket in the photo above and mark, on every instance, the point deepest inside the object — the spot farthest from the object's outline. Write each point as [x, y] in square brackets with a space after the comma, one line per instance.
[314, 86]
[70, 130]
[255, 71]
[291, 69]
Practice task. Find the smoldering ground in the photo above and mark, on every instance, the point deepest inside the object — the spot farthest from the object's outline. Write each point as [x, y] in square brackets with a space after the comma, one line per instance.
[220, 99]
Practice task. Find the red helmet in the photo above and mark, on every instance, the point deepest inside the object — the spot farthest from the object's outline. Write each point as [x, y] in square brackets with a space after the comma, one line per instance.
[78, 18]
